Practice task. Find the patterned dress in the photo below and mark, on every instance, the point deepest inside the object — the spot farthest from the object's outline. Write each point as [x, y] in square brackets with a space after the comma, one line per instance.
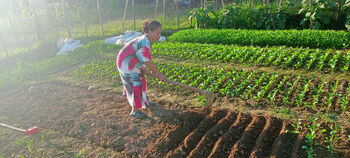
[130, 63]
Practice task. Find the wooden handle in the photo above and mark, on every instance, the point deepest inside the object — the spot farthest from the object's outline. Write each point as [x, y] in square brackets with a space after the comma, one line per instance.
[14, 128]
[186, 86]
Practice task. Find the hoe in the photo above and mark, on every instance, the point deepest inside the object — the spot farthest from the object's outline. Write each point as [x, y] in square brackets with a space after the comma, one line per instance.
[29, 131]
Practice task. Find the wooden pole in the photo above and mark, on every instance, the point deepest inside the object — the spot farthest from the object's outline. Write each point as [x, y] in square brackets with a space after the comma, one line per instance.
[82, 18]
[37, 24]
[156, 9]
[163, 12]
[125, 9]
[133, 14]
[99, 17]
[178, 14]
[223, 3]
[280, 5]
[68, 31]
[311, 7]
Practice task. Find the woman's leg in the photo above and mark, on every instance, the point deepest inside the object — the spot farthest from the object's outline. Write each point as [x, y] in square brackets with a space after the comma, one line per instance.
[127, 85]
[137, 90]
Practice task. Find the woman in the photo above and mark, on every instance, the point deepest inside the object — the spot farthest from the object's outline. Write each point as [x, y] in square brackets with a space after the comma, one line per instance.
[132, 60]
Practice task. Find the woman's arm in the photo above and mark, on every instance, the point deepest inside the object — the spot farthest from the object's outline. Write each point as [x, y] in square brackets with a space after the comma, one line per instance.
[155, 71]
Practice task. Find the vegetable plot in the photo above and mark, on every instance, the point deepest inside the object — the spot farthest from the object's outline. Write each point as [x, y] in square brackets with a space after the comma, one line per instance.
[295, 58]
[293, 38]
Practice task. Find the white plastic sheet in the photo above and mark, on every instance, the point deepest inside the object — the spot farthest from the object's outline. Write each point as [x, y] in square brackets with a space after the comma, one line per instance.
[127, 37]
[67, 46]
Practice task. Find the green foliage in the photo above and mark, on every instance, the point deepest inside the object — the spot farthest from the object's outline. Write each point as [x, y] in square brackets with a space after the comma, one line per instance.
[295, 58]
[320, 14]
[260, 17]
[203, 17]
[240, 17]
[311, 143]
[296, 128]
[274, 88]
[346, 8]
[293, 38]
[332, 138]
[91, 51]
[324, 14]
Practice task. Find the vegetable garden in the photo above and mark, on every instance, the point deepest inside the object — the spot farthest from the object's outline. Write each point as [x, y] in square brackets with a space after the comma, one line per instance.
[281, 93]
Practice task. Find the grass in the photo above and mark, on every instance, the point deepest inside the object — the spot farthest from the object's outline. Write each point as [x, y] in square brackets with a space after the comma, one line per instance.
[18, 51]
[27, 72]
[284, 112]
[82, 153]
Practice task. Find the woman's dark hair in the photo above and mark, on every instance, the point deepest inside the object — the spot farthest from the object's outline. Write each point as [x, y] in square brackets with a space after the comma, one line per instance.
[150, 25]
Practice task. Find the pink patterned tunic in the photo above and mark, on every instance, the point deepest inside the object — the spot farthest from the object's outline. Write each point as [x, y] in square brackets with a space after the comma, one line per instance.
[130, 63]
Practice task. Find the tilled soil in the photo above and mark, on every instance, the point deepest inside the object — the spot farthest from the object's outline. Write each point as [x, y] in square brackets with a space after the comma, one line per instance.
[96, 123]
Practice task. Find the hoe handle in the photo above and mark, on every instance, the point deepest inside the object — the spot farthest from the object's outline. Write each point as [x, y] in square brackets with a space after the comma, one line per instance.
[186, 86]
[14, 128]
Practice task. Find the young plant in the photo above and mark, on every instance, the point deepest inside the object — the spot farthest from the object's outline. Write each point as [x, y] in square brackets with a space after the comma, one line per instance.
[332, 138]
[310, 143]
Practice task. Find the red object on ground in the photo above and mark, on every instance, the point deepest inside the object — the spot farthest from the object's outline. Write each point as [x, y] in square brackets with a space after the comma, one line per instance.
[32, 130]
[29, 131]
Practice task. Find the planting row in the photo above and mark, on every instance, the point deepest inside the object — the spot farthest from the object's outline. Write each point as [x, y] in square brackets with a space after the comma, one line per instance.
[272, 88]
[288, 90]
[294, 38]
[296, 58]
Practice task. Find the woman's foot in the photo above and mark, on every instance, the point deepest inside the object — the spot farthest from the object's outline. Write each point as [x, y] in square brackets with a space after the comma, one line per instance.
[138, 114]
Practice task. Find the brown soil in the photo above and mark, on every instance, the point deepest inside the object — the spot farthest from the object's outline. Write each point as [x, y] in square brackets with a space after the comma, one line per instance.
[265, 141]
[204, 147]
[283, 144]
[224, 144]
[96, 123]
[245, 144]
